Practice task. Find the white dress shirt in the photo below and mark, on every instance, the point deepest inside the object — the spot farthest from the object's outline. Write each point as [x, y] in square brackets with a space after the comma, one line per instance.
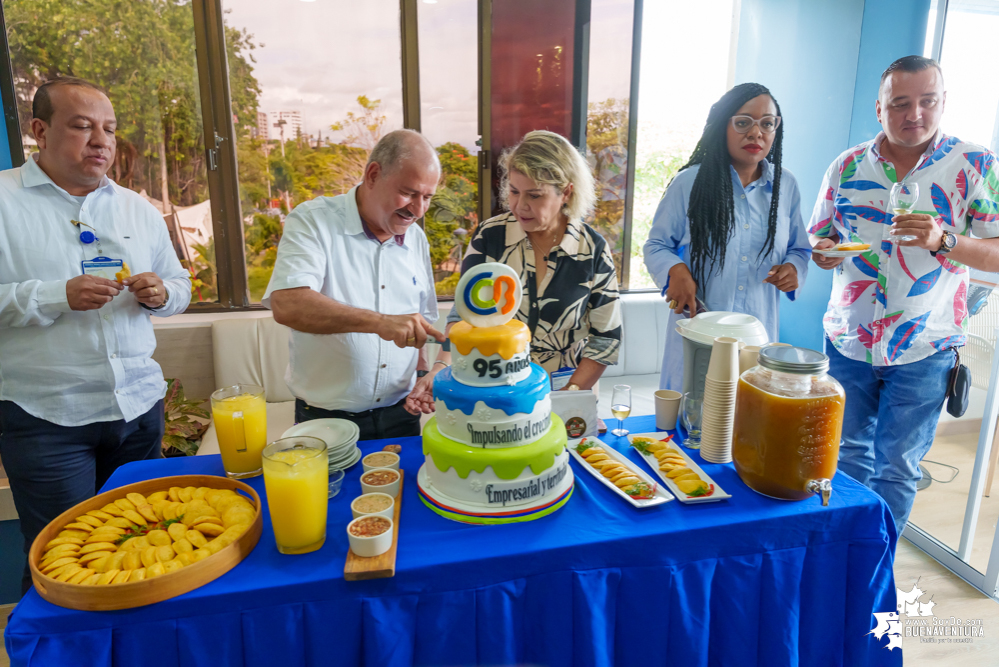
[325, 247]
[78, 367]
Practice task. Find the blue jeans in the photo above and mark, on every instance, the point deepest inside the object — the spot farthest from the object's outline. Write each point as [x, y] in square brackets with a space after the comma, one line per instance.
[52, 468]
[889, 423]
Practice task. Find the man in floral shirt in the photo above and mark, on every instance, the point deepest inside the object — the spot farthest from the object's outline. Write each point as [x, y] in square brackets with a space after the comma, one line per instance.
[898, 310]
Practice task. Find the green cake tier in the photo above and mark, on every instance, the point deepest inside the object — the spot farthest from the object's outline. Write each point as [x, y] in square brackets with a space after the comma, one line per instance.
[505, 462]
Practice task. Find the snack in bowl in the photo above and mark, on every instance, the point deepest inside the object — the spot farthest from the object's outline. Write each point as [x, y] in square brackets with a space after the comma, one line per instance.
[370, 526]
[370, 535]
[379, 504]
[380, 460]
[381, 480]
[140, 537]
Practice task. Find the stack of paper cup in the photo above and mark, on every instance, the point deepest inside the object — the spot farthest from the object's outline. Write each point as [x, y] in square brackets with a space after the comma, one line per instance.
[719, 401]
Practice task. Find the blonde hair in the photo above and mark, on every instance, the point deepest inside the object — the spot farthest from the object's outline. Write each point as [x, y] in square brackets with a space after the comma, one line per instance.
[548, 158]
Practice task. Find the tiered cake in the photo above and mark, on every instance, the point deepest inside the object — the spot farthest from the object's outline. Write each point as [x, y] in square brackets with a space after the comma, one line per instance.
[494, 452]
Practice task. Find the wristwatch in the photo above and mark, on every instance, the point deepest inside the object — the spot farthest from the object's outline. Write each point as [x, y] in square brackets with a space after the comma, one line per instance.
[572, 387]
[947, 243]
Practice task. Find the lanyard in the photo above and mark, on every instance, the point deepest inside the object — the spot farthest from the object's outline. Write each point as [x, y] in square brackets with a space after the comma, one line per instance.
[88, 237]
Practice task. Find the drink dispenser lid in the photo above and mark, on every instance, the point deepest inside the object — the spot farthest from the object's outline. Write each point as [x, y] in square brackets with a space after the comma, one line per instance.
[800, 360]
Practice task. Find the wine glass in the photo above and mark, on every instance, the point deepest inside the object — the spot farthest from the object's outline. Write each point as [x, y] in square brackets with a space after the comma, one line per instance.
[690, 413]
[621, 407]
[902, 202]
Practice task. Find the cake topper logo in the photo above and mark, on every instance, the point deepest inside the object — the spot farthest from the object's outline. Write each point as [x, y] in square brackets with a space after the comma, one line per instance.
[484, 306]
[488, 295]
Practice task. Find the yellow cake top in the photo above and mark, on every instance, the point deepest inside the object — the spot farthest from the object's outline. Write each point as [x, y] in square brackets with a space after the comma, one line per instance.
[507, 339]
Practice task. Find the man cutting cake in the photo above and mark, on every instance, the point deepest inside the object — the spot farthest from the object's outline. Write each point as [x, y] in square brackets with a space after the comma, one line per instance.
[353, 280]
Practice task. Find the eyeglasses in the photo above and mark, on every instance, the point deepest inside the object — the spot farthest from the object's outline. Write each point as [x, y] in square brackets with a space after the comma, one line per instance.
[743, 124]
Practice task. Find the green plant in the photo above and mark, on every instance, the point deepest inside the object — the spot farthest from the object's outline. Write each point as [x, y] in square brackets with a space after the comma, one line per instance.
[186, 421]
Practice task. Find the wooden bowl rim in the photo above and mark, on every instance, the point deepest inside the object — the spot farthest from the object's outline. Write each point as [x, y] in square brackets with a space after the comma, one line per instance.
[34, 554]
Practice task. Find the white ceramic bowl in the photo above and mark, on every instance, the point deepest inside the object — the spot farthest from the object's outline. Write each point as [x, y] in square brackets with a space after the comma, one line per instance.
[388, 512]
[390, 489]
[367, 547]
[394, 465]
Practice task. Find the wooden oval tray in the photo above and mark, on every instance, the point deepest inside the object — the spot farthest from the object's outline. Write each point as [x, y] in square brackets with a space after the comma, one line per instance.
[147, 591]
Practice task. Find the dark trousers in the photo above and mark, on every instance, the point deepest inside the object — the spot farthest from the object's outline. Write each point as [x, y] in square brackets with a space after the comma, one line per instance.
[52, 468]
[389, 422]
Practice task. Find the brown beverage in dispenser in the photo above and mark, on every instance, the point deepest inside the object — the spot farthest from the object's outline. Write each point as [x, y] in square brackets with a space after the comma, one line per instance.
[788, 423]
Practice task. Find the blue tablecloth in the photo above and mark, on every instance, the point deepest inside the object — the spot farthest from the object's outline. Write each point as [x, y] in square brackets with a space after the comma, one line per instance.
[747, 581]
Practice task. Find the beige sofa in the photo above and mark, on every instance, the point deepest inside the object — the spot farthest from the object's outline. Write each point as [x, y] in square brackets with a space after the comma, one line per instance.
[253, 351]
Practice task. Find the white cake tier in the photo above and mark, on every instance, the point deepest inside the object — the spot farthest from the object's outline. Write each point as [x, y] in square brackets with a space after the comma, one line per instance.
[485, 489]
[477, 370]
[491, 427]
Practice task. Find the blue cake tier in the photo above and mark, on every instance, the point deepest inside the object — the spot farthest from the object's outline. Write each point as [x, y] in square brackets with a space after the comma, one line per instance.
[520, 397]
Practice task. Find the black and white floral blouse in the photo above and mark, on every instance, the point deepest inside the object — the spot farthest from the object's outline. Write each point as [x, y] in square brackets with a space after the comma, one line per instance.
[575, 312]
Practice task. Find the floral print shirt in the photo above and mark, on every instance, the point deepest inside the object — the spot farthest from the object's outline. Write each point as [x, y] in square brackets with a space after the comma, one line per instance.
[895, 304]
[576, 311]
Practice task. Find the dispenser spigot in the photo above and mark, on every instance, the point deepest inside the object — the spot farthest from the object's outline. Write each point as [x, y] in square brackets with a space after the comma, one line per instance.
[822, 487]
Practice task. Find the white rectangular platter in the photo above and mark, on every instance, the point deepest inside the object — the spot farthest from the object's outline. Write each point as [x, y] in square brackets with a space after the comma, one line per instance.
[718, 493]
[661, 494]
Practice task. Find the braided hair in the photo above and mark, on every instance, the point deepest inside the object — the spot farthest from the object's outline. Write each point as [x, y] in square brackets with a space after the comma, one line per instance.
[711, 210]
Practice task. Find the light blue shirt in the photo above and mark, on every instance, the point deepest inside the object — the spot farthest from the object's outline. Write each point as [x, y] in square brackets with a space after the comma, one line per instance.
[738, 285]
[78, 367]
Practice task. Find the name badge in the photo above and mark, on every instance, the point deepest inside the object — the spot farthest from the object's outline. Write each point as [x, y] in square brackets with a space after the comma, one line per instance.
[102, 267]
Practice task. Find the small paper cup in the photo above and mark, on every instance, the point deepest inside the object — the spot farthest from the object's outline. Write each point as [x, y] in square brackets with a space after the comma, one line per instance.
[388, 512]
[368, 547]
[391, 488]
[667, 408]
[724, 364]
[385, 455]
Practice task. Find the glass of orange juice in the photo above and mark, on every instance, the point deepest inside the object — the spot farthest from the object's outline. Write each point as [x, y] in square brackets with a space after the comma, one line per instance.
[240, 416]
[296, 476]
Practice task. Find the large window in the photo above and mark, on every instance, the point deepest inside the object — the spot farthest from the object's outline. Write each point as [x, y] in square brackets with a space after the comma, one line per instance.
[972, 112]
[314, 114]
[143, 53]
[682, 75]
[449, 93]
[233, 112]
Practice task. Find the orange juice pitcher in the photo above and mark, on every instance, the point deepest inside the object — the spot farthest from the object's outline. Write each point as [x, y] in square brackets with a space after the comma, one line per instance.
[788, 424]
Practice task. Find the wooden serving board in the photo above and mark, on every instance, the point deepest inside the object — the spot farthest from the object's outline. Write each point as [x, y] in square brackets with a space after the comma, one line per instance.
[147, 591]
[377, 567]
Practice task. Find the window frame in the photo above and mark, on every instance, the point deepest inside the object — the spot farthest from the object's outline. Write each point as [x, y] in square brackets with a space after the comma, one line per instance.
[220, 132]
[7, 97]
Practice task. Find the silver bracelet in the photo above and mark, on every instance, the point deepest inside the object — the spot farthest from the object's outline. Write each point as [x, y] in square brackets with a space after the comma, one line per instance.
[441, 362]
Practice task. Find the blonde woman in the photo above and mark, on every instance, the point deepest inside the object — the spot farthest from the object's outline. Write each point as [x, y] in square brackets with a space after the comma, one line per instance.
[570, 288]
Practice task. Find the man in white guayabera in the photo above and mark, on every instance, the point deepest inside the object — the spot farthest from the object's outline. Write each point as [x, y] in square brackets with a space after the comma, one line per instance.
[353, 280]
[80, 393]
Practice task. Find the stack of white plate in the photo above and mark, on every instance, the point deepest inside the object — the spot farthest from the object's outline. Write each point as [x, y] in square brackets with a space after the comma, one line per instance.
[339, 435]
[719, 401]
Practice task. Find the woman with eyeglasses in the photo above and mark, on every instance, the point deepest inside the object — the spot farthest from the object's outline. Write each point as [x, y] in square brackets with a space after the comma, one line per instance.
[728, 231]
